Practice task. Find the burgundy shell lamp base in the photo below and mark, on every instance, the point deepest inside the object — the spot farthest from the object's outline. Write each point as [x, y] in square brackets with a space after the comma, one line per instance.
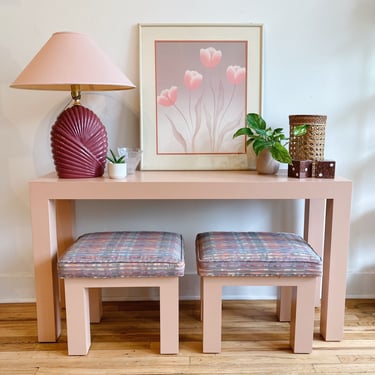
[79, 144]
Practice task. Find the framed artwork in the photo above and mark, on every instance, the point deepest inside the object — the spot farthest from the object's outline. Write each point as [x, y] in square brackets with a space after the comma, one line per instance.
[197, 83]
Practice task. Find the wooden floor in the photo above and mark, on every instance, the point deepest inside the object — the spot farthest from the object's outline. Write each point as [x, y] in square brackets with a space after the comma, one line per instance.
[127, 342]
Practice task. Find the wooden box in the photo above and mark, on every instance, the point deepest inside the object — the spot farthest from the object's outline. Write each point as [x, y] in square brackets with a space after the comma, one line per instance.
[325, 169]
[300, 168]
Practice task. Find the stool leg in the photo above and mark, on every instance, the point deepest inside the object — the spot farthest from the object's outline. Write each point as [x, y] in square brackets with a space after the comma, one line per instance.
[96, 307]
[284, 303]
[212, 312]
[302, 319]
[169, 331]
[77, 317]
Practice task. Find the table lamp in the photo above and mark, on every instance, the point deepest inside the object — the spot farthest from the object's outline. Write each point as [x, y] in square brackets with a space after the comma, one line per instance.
[72, 62]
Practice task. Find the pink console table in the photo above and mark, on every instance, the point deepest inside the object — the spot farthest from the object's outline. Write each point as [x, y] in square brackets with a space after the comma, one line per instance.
[327, 222]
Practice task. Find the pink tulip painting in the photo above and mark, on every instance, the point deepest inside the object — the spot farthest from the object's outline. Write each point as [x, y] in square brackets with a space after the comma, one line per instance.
[201, 96]
[210, 57]
[236, 74]
[168, 96]
[192, 79]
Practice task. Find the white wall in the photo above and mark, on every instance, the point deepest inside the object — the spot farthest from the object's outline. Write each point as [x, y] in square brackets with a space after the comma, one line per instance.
[319, 58]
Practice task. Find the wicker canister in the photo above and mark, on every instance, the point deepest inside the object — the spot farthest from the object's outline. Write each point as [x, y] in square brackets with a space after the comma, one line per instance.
[311, 145]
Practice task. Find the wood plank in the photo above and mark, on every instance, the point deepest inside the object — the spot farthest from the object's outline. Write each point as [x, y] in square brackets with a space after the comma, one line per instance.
[127, 341]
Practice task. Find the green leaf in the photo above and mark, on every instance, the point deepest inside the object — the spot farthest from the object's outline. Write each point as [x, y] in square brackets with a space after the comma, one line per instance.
[255, 121]
[114, 159]
[243, 131]
[300, 130]
[259, 145]
[269, 132]
[280, 153]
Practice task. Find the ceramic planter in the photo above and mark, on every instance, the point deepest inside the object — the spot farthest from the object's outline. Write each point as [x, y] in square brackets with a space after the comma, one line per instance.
[117, 171]
[266, 164]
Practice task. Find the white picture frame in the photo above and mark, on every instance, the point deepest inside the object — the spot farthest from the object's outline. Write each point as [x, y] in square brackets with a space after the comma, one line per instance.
[197, 83]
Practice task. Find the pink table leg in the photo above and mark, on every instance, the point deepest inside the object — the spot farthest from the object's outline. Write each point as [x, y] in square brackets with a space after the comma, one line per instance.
[43, 221]
[52, 227]
[314, 232]
[336, 248]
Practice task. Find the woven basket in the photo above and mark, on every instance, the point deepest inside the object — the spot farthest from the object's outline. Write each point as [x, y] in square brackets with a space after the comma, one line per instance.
[311, 145]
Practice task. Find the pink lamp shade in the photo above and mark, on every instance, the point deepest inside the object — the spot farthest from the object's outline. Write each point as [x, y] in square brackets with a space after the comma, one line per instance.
[72, 62]
[68, 59]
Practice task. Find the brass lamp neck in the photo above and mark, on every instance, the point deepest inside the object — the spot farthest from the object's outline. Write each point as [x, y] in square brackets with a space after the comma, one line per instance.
[76, 94]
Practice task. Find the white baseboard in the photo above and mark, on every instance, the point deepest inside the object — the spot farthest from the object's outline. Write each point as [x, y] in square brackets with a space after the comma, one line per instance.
[18, 288]
[360, 285]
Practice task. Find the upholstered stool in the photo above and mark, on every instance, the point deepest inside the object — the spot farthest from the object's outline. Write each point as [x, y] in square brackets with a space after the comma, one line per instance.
[122, 259]
[257, 258]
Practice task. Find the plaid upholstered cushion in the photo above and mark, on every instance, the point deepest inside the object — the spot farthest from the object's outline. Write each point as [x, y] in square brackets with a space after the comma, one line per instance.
[255, 254]
[124, 254]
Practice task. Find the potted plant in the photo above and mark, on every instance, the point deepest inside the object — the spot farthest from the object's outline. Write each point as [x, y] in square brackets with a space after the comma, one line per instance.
[117, 166]
[268, 144]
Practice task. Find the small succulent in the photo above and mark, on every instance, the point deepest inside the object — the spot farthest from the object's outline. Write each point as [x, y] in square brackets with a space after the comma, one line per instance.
[114, 159]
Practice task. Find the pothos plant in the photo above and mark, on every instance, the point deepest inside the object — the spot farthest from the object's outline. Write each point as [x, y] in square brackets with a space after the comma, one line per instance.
[262, 137]
[114, 159]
